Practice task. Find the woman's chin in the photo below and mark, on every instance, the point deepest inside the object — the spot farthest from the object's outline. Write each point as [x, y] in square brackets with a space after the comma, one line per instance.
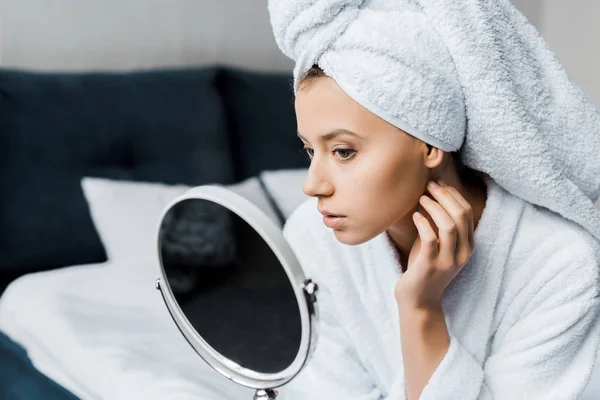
[351, 237]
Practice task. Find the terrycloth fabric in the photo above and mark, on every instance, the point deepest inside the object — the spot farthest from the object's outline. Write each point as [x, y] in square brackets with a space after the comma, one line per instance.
[522, 314]
[468, 75]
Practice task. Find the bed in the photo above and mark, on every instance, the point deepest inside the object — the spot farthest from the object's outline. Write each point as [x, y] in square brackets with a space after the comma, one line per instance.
[76, 75]
[102, 331]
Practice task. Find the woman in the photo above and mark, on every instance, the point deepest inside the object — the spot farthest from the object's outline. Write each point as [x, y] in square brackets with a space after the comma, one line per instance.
[460, 290]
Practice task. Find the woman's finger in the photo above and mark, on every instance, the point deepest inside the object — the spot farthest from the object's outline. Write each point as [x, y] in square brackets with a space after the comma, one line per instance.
[429, 240]
[446, 227]
[467, 206]
[459, 215]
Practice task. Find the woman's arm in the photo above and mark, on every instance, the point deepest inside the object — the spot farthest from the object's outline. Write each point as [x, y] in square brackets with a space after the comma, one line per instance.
[436, 257]
[425, 342]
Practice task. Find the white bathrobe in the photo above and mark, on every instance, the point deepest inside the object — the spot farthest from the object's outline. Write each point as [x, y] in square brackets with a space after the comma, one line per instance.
[521, 314]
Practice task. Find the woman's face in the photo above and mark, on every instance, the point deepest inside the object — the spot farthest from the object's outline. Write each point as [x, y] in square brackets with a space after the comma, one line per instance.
[373, 178]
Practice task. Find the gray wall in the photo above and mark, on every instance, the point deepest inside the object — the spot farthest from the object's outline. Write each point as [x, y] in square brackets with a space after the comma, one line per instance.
[131, 34]
[124, 34]
[572, 31]
[571, 28]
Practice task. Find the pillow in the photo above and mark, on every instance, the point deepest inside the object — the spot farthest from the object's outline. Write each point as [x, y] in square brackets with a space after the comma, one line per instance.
[261, 121]
[126, 214]
[19, 375]
[55, 128]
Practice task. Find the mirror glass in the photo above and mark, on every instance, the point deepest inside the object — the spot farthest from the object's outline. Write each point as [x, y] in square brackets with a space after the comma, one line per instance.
[230, 285]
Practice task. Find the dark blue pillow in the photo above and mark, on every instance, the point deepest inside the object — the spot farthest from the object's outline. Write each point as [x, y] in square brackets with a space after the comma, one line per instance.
[261, 121]
[158, 125]
[20, 380]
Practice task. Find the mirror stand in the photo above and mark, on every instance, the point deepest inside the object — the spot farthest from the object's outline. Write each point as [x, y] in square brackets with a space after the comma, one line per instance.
[265, 394]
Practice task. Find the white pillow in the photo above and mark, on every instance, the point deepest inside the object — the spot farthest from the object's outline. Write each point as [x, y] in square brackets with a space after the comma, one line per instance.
[126, 214]
[285, 186]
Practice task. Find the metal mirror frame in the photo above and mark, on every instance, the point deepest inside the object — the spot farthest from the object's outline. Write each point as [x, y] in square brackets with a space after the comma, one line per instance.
[304, 289]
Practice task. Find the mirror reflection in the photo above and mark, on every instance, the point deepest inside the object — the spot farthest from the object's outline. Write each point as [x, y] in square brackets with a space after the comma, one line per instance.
[230, 285]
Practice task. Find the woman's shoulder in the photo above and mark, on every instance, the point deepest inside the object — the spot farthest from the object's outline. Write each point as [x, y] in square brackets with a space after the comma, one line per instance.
[551, 252]
[551, 262]
[542, 230]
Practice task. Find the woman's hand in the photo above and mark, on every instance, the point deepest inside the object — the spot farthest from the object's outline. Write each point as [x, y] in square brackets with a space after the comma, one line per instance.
[434, 262]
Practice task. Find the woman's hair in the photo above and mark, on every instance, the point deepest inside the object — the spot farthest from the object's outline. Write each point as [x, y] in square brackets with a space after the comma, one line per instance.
[313, 73]
[469, 176]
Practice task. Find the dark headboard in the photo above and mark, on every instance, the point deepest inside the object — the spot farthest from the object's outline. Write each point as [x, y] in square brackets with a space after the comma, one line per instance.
[190, 125]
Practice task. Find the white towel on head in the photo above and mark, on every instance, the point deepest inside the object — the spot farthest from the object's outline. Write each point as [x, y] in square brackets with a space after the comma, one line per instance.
[463, 75]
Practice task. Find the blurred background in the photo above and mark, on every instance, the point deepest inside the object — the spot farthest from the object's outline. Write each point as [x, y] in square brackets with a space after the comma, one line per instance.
[74, 35]
[110, 109]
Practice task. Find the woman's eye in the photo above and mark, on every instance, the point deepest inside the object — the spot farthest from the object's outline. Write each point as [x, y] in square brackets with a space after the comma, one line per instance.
[345, 153]
[307, 151]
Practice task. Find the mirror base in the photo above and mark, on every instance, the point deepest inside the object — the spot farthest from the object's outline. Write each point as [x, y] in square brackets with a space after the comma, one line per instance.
[265, 394]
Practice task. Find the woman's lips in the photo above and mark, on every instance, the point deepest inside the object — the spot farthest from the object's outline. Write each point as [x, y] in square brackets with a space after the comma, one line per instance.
[332, 221]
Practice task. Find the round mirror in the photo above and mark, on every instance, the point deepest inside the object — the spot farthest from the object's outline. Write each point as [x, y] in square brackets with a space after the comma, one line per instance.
[235, 289]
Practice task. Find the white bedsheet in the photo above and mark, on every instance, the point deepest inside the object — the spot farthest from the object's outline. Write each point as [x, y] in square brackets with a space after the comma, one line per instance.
[103, 332]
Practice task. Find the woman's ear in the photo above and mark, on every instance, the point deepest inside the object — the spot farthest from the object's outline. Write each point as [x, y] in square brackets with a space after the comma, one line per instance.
[435, 157]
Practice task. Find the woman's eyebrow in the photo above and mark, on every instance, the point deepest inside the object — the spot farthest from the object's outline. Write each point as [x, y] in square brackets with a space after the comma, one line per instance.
[333, 134]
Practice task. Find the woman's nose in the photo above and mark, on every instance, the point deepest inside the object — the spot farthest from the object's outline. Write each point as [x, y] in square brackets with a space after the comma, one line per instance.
[316, 184]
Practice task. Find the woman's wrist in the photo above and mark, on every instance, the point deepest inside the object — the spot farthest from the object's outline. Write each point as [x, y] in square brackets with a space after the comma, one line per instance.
[423, 314]
[425, 341]
[431, 306]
